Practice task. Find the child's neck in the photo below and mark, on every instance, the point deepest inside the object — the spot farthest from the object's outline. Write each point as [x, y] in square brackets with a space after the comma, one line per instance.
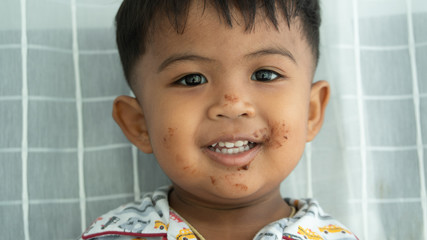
[242, 221]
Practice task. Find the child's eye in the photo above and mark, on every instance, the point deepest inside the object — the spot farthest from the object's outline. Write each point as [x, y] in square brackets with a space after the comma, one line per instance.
[265, 75]
[193, 79]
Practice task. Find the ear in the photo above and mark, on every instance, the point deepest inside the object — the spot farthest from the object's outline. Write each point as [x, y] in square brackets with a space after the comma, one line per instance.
[129, 116]
[319, 98]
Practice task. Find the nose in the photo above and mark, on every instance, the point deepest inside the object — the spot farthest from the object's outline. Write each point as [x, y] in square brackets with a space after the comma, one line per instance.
[231, 106]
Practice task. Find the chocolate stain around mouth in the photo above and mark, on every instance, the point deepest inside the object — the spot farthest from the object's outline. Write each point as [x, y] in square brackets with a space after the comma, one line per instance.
[242, 187]
[245, 167]
[274, 137]
[213, 180]
[171, 131]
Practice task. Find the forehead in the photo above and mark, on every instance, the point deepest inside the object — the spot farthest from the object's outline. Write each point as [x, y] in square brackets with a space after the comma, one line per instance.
[206, 33]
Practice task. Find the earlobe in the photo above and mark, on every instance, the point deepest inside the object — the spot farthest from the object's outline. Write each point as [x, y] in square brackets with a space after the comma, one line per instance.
[319, 98]
[129, 116]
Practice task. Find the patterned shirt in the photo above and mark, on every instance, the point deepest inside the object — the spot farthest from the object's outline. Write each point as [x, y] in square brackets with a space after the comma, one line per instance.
[153, 219]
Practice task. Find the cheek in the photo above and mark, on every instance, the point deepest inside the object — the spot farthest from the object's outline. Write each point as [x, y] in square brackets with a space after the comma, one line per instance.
[286, 142]
[279, 135]
[173, 152]
[168, 138]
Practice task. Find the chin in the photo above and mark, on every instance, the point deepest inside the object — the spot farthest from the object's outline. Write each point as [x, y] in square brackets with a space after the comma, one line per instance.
[237, 193]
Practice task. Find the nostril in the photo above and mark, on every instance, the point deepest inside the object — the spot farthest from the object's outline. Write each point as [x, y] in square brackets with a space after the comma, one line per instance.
[231, 110]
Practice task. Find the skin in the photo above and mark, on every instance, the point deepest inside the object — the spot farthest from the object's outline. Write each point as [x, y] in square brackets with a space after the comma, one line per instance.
[236, 195]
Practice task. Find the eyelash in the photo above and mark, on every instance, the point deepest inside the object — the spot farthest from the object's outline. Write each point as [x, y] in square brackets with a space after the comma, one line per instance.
[195, 79]
[265, 73]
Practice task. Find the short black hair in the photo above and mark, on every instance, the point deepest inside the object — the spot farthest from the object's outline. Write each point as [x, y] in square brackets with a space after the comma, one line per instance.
[135, 18]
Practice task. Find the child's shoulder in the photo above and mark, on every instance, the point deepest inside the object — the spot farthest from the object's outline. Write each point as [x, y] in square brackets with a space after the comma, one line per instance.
[147, 218]
[309, 222]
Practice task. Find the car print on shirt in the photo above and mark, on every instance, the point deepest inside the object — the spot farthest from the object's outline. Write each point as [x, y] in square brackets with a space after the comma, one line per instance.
[160, 225]
[336, 232]
[185, 234]
[333, 229]
[308, 234]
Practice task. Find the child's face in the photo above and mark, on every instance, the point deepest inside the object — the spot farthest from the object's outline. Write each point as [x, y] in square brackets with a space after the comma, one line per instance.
[251, 88]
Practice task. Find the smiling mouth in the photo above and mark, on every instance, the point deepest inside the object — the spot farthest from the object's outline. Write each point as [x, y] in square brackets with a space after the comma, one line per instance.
[232, 147]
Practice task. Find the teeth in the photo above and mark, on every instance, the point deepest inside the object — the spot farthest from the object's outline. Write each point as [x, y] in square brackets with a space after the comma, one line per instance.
[238, 144]
[231, 147]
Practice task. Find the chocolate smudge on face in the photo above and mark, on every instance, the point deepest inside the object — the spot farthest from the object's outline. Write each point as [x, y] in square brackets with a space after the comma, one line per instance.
[171, 131]
[213, 180]
[231, 98]
[170, 134]
[274, 137]
[229, 178]
[241, 186]
[245, 168]
[260, 132]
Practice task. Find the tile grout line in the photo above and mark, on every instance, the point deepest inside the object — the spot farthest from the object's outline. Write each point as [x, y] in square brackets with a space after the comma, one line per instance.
[24, 150]
[57, 99]
[134, 149]
[416, 100]
[386, 200]
[80, 146]
[59, 49]
[68, 200]
[69, 150]
[360, 106]
[136, 187]
[309, 172]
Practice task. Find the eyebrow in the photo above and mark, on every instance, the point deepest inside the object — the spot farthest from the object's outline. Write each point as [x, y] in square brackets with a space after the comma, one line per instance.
[273, 51]
[181, 57]
[192, 57]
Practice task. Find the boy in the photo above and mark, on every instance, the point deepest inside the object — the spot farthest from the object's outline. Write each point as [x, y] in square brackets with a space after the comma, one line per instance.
[225, 101]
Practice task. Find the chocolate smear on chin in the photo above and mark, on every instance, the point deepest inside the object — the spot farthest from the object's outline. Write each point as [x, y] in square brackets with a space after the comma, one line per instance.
[245, 167]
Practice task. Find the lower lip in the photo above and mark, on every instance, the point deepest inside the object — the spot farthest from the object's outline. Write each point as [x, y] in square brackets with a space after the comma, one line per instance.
[233, 160]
